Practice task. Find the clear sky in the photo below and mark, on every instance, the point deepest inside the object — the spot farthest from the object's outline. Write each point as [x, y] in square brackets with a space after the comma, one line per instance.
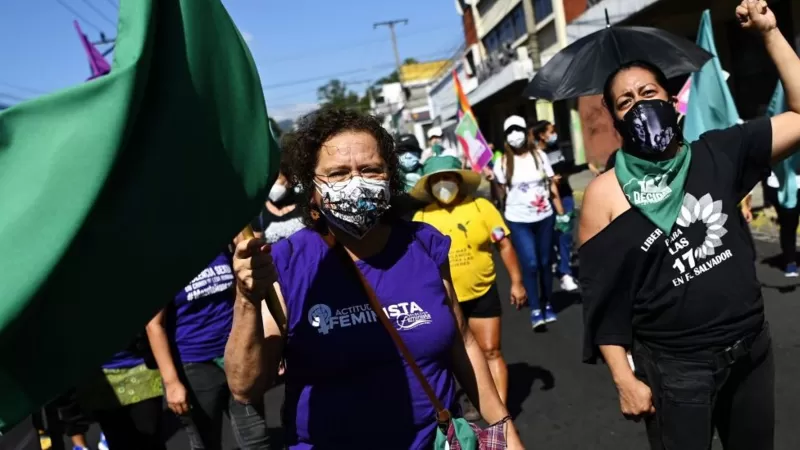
[297, 44]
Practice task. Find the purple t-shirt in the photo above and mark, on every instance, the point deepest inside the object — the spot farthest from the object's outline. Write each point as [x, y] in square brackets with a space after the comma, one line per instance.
[200, 320]
[347, 385]
[124, 360]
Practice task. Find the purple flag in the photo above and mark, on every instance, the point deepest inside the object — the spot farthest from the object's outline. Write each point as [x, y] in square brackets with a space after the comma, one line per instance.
[97, 63]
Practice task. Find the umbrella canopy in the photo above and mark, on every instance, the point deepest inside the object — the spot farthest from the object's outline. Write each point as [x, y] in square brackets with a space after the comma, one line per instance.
[583, 67]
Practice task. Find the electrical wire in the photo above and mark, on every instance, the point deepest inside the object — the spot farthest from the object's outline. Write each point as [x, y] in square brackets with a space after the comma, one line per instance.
[78, 15]
[111, 2]
[308, 54]
[327, 77]
[21, 88]
[99, 13]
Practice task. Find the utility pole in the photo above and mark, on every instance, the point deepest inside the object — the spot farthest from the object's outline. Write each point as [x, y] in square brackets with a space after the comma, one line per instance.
[391, 24]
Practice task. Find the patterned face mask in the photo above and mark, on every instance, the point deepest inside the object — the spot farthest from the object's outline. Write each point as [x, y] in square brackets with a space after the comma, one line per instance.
[650, 126]
[355, 205]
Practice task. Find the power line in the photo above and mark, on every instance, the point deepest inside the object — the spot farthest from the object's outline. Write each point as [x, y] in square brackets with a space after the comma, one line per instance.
[99, 13]
[343, 74]
[322, 77]
[21, 88]
[12, 97]
[78, 15]
[313, 53]
[111, 2]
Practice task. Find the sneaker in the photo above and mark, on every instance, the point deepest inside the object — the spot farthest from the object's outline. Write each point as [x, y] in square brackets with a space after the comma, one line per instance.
[102, 444]
[568, 283]
[537, 319]
[44, 440]
[549, 315]
[791, 270]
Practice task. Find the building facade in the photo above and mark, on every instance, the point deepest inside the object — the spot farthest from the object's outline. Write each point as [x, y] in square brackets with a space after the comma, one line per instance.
[405, 106]
[505, 42]
[752, 75]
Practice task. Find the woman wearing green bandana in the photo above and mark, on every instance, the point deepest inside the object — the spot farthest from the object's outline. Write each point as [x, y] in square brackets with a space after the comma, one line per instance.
[666, 267]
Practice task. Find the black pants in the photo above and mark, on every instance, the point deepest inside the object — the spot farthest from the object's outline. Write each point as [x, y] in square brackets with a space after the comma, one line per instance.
[732, 391]
[133, 427]
[788, 219]
[63, 416]
[210, 399]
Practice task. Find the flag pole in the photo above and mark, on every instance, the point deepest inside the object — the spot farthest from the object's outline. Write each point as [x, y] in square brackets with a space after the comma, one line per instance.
[274, 296]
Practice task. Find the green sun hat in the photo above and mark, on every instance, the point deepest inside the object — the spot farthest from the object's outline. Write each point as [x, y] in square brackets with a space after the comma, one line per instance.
[470, 181]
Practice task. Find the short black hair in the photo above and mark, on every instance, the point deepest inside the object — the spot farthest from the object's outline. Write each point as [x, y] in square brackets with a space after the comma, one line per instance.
[608, 96]
[539, 127]
[314, 129]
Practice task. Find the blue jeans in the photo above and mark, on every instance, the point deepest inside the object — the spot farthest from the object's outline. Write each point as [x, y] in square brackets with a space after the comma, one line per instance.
[533, 243]
[564, 241]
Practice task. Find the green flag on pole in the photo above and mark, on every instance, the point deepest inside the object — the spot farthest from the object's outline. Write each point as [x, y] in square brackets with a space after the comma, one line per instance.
[115, 193]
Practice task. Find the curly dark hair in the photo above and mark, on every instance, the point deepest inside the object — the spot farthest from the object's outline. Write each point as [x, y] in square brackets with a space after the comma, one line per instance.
[315, 129]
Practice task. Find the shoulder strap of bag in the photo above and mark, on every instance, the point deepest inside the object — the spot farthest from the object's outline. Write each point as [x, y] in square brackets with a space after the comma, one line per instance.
[443, 416]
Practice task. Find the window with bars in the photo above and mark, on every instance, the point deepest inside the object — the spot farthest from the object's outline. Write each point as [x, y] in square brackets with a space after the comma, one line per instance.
[511, 28]
[542, 9]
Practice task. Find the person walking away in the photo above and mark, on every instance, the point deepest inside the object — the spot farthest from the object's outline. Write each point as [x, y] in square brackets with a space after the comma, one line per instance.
[667, 269]
[474, 226]
[543, 136]
[126, 399]
[526, 177]
[788, 220]
[341, 359]
[188, 341]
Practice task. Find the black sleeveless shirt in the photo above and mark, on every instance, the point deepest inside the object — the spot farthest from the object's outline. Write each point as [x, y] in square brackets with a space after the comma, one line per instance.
[696, 288]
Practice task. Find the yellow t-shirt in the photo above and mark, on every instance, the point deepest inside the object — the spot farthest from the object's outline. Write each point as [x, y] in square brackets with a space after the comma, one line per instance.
[473, 226]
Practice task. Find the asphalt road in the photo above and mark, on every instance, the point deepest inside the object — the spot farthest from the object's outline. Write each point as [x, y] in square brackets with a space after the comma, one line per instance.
[560, 403]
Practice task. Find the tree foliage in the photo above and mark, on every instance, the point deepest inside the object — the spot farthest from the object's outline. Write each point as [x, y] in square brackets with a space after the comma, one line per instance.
[337, 94]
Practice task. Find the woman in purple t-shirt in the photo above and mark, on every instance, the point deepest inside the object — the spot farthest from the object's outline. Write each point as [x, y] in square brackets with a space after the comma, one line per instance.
[346, 384]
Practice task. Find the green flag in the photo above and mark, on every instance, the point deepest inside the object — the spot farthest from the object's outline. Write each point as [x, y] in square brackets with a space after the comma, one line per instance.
[117, 192]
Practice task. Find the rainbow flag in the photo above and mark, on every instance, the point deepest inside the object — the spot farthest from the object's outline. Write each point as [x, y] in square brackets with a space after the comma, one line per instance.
[469, 135]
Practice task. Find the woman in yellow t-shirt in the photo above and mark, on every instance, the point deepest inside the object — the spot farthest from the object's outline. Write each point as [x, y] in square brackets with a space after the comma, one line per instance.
[473, 225]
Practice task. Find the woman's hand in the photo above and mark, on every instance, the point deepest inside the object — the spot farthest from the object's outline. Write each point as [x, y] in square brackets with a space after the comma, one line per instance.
[755, 15]
[747, 213]
[519, 297]
[177, 397]
[255, 272]
[635, 398]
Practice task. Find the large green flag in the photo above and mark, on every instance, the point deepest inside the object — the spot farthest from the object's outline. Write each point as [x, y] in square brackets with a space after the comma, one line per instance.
[117, 192]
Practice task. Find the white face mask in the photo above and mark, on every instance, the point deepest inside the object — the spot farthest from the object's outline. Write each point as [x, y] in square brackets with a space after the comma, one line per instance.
[277, 193]
[445, 191]
[516, 139]
[354, 206]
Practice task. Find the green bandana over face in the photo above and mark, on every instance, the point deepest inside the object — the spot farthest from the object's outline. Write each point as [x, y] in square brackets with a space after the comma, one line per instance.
[655, 187]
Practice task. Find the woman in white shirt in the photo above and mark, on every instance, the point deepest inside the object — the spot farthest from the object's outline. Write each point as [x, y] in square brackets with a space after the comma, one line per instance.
[525, 174]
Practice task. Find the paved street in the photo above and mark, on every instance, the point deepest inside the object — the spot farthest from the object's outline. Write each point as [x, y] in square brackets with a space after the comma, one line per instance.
[560, 403]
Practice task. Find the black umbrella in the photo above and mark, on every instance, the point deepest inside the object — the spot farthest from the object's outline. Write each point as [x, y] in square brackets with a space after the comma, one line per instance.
[582, 68]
